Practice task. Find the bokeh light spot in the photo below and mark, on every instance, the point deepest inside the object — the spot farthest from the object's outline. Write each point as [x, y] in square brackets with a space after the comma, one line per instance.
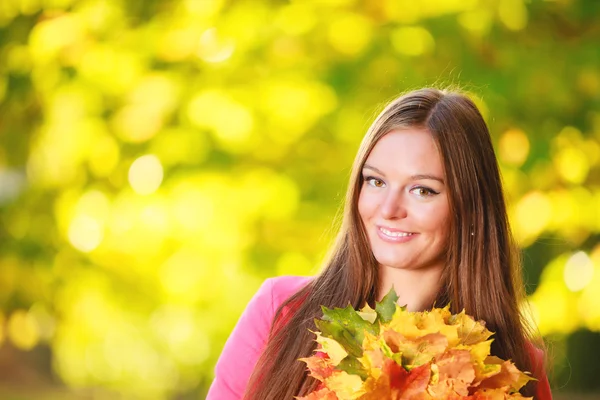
[296, 18]
[294, 106]
[572, 164]
[551, 302]
[22, 330]
[513, 14]
[579, 271]
[146, 174]
[412, 40]
[136, 124]
[203, 9]
[214, 48]
[478, 21]
[533, 213]
[230, 122]
[350, 33]
[85, 233]
[514, 147]
[52, 35]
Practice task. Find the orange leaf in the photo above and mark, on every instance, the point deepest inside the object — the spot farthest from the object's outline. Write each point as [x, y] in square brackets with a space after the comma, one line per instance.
[509, 376]
[496, 394]
[416, 351]
[455, 374]
[321, 394]
[320, 368]
[406, 385]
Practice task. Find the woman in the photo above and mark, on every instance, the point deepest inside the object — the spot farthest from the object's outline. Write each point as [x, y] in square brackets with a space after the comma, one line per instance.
[424, 213]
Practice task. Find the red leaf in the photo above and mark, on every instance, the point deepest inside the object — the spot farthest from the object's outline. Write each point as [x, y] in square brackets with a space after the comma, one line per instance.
[407, 385]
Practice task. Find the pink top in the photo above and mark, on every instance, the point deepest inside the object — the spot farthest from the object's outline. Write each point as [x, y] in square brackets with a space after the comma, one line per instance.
[249, 337]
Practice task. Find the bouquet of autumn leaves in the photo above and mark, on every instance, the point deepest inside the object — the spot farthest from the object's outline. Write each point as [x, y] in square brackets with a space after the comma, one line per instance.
[393, 354]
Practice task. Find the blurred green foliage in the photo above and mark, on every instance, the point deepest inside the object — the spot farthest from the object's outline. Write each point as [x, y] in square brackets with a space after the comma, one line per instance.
[160, 158]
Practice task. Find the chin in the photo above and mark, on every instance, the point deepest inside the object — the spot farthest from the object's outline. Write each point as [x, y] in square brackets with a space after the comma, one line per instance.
[392, 262]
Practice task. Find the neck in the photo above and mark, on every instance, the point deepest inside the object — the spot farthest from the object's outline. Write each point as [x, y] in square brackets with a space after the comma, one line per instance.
[417, 289]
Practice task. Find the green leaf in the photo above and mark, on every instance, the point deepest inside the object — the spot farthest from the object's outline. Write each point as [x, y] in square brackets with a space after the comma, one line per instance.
[341, 335]
[352, 366]
[387, 307]
[346, 326]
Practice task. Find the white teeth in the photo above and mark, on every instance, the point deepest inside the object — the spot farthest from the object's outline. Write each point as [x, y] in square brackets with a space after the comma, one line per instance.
[395, 234]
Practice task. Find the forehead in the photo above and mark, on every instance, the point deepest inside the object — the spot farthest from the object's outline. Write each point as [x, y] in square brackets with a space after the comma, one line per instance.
[412, 150]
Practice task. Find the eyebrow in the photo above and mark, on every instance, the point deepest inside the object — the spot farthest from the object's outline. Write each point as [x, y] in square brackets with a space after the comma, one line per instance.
[413, 177]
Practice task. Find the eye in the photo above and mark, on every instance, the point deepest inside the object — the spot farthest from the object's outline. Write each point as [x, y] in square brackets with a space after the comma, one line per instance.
[375, 182]
[423, 191]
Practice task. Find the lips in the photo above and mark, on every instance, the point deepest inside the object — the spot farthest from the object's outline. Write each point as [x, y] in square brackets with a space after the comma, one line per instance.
[394, 235]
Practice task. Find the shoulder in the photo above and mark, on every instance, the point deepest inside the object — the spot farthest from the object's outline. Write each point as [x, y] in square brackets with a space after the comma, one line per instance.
[271, 294]
[538, 358]
[283, 287]
[250, 335]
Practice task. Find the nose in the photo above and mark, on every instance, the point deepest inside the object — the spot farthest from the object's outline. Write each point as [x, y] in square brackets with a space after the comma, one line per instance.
[393, 206]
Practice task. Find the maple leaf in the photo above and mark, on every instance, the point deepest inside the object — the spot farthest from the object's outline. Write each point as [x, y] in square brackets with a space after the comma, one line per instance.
[320, 394]
[332, 348]
[456, 372]
[469, 331]
[485, 371]
[415, 352]
[417, 324]
[344, 385]
[345, 326]
[390, 353]
[407, 385]
[496, 394]
[377, 389]
[368, 314]
[436, 321]
[372, 362]
[404, 323]
[479, 351]
[374, 355]
[353, 366]
[320, 368]
[387, 307]
[509, 376]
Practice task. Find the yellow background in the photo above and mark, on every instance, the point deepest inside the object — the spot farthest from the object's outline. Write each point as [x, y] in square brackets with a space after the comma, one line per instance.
[159, 159]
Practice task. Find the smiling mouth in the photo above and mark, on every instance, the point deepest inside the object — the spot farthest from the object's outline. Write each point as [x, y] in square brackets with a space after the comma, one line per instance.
[396, 234]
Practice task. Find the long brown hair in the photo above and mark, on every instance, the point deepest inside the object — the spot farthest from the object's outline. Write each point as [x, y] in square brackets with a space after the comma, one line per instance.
[482, 272]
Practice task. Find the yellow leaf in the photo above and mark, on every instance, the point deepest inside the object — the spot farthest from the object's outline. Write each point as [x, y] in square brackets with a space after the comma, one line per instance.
[345, 386]
[404, 323]
[479, 351]
[368, 314]
[470, 331]
[334, 350]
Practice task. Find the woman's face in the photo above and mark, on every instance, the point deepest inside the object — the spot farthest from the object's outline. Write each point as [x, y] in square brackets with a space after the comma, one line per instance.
[403, 202]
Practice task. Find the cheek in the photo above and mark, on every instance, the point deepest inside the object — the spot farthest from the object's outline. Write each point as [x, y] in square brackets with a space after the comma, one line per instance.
[365, 206]
[435, 217]
[441, 219]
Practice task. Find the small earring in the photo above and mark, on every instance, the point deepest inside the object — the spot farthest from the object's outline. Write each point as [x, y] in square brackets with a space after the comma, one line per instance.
[472, 233]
